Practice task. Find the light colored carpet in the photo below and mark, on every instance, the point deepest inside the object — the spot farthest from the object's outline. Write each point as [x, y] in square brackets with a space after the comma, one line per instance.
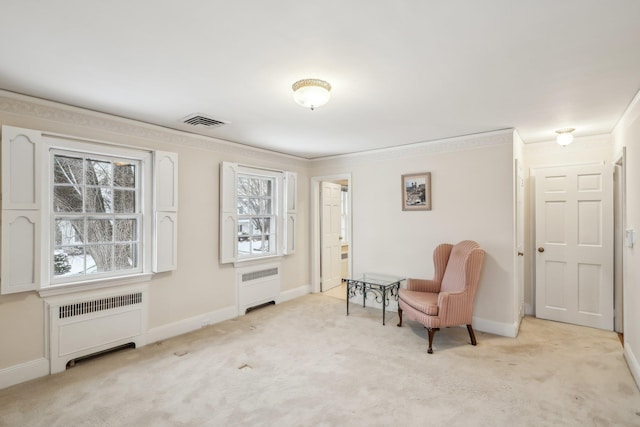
[304, 363]
[339, 292]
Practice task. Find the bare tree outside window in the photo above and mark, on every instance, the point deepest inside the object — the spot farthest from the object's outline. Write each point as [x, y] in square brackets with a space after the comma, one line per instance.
[96, 217]
[256, 216]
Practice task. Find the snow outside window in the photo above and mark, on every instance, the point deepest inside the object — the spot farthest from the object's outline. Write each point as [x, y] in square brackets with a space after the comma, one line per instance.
[256, 215]
[84, 214]
[257, 212]
[96, 216]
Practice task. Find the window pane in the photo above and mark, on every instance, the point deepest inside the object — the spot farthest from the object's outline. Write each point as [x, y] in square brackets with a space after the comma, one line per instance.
[260, 244]
[68, 261]
[244, 246]
[69, 231]
[67, 199]
[98, 173]
[99, 258]
[124, 175]
[243, 229]
[254, 187]
[248, 206]
[243, 186]
[265, 188]
[265, 207]
[126, 230]
[126, 256]
[124, 201]
[67, 170]
[260, 226]
[100, 230]
[98, 200]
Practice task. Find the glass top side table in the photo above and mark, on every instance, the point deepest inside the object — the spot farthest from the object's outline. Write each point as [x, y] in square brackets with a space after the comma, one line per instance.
[382, 287]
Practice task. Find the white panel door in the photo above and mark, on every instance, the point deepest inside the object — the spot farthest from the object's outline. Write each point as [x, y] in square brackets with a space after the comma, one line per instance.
[574, 243]
[330, 236]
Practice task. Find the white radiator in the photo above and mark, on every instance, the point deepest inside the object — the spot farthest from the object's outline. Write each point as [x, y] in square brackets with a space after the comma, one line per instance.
[257, 285]
[81, 325]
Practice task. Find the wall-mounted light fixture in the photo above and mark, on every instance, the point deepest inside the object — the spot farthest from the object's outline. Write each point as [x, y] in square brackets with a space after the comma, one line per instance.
[565, 137]
[311, 93]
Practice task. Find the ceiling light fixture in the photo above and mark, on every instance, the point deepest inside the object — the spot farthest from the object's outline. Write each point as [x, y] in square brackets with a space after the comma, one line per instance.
[311, 93]
[565, 137]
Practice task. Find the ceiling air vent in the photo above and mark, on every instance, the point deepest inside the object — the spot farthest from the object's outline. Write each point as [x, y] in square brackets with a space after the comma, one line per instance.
[202, 120]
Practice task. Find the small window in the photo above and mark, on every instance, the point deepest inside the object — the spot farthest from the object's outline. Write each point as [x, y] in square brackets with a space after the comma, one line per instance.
[257, 212]
[257, 215]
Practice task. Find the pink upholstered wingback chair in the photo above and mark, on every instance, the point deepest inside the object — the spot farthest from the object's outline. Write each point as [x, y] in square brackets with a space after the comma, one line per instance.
[447, 300]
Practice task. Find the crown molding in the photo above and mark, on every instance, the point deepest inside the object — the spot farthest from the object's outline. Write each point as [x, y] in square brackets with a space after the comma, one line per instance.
[629, 115]
[27, 106]
[459, 143]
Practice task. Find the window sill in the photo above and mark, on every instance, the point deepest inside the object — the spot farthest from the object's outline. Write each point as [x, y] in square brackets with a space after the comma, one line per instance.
[89, 285]
[257, 261]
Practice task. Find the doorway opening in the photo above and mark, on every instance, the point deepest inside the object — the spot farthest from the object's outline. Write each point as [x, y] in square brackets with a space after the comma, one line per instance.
[321, 211]
[619, 203]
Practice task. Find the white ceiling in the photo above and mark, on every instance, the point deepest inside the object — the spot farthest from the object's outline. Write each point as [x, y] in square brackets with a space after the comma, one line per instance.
[402, 71]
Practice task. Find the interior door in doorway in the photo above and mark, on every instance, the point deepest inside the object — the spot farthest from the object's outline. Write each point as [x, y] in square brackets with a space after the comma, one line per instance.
[330, 260]
[574, 245]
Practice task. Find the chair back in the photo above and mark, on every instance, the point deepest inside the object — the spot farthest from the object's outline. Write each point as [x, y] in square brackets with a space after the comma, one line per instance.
[459, 269]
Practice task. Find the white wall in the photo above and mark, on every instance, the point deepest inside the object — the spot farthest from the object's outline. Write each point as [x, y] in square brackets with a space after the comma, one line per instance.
[201, 287]
[627, 134]
[472, 198]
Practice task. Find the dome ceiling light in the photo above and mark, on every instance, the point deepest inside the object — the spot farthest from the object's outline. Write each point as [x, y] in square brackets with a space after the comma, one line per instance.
[311, 93]
[565, 137]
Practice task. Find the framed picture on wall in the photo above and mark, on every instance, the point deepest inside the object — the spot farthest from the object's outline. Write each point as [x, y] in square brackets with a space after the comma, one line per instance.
[416, 192]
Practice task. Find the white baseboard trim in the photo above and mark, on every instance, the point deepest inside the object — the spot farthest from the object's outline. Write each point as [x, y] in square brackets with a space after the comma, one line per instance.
[498, 328]
[191, 324]
[633, 364]
[23, 372]
[294, 293]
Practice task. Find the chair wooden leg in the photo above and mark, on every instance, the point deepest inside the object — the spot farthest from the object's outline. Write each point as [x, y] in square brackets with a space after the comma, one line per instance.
[400, 316]
[471, 335]
[432, 332]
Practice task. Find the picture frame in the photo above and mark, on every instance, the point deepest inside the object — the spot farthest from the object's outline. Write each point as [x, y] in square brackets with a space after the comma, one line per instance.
[416, 192]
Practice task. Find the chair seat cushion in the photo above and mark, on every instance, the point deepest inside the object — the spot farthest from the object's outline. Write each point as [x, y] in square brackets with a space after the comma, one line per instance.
[425, 302]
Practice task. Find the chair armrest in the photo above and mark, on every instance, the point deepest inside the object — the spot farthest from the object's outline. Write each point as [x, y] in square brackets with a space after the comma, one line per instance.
[423, 285]
[455, 308]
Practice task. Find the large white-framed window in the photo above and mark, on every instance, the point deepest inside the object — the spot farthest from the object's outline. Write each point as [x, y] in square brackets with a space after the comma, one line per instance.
[257, 212]
[97, 216]
[79, 214]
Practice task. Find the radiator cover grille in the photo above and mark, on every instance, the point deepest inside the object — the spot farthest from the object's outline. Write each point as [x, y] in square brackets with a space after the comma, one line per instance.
[259, 274]
[101, 304]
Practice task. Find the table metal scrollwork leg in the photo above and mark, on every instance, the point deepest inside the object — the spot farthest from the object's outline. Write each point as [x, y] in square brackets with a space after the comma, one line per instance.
[384, 304]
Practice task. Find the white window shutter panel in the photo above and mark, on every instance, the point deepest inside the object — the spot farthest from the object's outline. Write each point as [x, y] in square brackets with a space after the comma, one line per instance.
[21, 162]
[21, 209]
[165, 190]
[291, 202]
[228, 212]
[166, 247]
[165, 172]
[20, 251]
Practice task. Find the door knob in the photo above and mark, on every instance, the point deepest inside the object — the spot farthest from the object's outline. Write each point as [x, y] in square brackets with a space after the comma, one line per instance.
[540, 249]
[520, 253]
